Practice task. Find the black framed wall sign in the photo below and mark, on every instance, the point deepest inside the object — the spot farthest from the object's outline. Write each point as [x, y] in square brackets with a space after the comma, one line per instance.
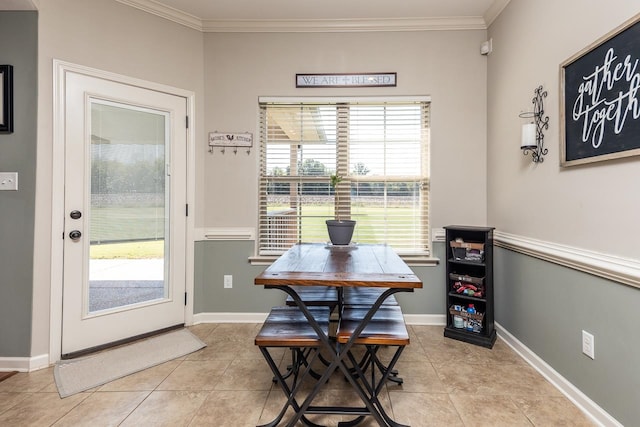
[600, 98]
[6, 99]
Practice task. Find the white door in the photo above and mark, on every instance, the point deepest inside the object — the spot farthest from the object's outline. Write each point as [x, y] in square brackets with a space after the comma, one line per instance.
[125, 219]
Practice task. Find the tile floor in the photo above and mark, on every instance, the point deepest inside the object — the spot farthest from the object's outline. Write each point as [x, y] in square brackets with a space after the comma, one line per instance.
[228, 383]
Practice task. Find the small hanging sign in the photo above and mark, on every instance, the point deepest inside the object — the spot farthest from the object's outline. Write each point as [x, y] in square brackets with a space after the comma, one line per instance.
[226, 139]
[222, 139]
[347, 80]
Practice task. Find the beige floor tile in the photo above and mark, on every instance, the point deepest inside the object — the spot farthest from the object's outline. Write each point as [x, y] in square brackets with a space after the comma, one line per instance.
[202, 330]
[231, 408]
[493, 379]
[167, 408]
[414, 351]
[32, 381]
[446, 383]
[229, 349]
[500, 353]
[548, 411]
[245, 375]
[40, 409]
[233, 332]
[489, 411]
[419, 377]
[424, 409]
[190, 375]
[103, 409]
[147, 379]
[445, 350]
[9, 399]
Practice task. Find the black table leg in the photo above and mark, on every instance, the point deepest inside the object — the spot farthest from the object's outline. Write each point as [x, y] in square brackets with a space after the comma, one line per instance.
[340, 354]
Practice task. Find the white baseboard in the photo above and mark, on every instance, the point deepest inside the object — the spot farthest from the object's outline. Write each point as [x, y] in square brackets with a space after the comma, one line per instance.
[582, 401]
[425, 319]
[229, 318]
[24, 364]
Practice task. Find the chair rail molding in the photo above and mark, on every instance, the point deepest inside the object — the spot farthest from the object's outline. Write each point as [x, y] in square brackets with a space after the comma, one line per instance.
[225, 233]
[617, 269]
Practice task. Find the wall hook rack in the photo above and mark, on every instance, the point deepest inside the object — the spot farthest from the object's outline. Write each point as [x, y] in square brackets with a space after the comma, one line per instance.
[228, 139]
[532, 133]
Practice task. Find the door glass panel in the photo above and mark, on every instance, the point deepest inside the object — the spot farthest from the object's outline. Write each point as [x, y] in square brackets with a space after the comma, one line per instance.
[129, 215]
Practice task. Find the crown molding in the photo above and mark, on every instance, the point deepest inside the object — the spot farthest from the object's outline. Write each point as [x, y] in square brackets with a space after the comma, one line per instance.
[166, 12]
[307, 25]
[343, 25]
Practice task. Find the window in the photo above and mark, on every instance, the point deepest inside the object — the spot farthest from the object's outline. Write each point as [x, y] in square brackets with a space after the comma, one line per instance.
[380, 149]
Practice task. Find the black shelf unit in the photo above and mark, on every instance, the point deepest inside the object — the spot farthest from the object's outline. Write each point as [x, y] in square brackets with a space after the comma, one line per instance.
[469, 268]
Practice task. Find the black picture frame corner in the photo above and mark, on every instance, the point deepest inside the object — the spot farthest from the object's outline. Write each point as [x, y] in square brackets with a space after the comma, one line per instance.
[6, 99]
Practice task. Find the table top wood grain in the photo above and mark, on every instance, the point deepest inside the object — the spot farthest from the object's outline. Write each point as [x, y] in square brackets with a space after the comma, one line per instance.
[316, 264]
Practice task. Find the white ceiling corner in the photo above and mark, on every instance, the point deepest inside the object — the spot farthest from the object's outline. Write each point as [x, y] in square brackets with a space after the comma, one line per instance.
[494, 11]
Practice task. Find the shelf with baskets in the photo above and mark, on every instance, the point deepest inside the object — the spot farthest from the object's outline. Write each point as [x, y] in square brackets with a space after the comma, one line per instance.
[469, 285]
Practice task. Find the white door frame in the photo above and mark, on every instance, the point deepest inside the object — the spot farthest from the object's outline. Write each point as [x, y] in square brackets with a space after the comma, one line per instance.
[60, 68]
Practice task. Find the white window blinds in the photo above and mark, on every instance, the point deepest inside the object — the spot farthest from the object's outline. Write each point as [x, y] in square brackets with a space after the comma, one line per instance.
[380, 149]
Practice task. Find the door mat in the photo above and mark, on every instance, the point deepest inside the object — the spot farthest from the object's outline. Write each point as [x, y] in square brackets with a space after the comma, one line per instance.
[77, 375]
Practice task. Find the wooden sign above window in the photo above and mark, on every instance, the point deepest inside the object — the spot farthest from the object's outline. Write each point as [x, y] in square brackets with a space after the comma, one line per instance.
[347, 80]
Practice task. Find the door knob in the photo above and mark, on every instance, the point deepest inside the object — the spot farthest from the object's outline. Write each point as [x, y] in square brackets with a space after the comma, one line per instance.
[75, 235]
[75, 214]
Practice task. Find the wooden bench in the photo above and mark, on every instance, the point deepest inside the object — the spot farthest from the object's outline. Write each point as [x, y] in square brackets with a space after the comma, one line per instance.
[288, 327]
[386, 329]
[315, 296]
[366, 296]
[387, 326]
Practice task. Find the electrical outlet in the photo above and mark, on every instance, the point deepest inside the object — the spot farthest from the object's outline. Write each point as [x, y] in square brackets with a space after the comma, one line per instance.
[9, 181]
[588, 344]
[228, 281]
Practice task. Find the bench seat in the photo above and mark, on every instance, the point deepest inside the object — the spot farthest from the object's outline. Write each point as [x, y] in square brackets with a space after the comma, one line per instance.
[387, 327]
[366, 296]
[288, 327]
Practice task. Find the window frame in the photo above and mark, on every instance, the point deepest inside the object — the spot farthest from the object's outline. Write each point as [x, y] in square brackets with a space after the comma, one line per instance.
[416, 257]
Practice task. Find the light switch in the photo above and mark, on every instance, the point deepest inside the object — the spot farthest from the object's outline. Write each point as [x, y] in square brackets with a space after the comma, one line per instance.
[9, 181]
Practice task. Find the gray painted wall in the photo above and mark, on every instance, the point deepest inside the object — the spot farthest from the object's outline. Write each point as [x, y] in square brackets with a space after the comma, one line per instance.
[546, 306]
[18, 47]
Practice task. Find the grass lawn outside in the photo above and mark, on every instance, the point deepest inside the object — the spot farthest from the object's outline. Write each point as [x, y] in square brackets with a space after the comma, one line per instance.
[128, 250]
[126, 224]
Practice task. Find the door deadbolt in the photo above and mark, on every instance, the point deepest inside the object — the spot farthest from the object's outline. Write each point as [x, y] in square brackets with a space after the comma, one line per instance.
[75, 235]
[75, 214]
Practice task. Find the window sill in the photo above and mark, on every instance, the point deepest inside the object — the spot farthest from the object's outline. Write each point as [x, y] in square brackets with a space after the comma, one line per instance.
[411, 260]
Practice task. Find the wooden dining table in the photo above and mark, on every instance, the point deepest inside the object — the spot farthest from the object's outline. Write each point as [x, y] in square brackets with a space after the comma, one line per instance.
[362, 265]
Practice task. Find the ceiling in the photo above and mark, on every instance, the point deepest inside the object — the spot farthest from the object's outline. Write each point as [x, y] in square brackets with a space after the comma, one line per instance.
[308, 15]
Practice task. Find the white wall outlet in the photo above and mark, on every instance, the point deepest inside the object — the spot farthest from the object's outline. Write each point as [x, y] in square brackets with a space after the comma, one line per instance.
[588, 344]
[9, 181]
[228, 281]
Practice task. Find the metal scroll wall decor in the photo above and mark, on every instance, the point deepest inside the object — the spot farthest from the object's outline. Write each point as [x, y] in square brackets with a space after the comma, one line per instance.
[532, 133]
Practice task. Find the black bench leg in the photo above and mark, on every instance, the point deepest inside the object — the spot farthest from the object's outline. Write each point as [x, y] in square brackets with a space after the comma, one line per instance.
[290, 393]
